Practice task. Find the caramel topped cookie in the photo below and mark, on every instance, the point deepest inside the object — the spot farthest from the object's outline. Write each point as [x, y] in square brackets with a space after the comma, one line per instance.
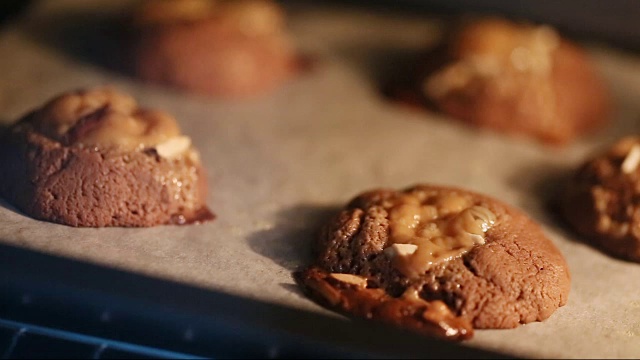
[228, 48]
[516, 78]
[94, 158]
[601, 199]
[438, 260]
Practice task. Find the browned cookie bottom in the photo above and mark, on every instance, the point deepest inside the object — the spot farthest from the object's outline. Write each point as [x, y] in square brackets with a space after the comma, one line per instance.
[351, 294]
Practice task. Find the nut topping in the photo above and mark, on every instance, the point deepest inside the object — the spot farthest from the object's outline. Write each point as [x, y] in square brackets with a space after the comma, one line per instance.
[630, 163]
[350, 279]
[400, 250]
[173, 147]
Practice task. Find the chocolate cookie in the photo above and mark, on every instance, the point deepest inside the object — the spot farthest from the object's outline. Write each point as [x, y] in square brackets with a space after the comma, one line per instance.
[437, 260]
[517, 79]
[228, 48]
[601, 199]
[94, 158]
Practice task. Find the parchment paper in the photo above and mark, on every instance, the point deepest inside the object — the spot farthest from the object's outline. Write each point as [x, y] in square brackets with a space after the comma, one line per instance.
[280, 164]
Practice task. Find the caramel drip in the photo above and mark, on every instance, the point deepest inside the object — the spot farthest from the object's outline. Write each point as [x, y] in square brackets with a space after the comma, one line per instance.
[408, 311]
[200, 216]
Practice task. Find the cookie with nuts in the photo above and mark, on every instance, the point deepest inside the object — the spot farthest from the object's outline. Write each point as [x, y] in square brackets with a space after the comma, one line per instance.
[601, 199]
[515, 78]
[93, 158]
[440, 261]
[223, 48]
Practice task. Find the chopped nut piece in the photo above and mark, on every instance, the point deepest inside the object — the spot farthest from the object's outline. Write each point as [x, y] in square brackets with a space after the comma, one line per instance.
[400, 250]
[630, 163]
[476, 220]
[173, 147]
[350, 279]
[477, 239]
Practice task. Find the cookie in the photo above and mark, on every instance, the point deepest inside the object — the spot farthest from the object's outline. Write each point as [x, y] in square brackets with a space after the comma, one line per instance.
[517, 79]
[224, 48]
[601, 199]
[93, 158]
[437, 260]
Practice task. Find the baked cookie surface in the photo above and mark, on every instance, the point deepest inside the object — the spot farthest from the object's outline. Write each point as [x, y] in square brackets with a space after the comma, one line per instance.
[515, 78]
[93, 158]
[226, 48]
[601, 199]
[437, 260]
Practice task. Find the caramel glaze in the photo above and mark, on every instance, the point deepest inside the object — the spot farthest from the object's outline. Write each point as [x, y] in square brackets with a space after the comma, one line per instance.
[199, 216]
[409, 310]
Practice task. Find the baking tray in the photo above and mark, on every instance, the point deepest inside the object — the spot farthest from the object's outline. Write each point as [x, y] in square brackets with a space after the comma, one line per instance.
[279, 165]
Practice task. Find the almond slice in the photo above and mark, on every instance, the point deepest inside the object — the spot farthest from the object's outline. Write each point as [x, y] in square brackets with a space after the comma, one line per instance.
[400, 250]
[350, 279]
[631, 162]
[173, 147]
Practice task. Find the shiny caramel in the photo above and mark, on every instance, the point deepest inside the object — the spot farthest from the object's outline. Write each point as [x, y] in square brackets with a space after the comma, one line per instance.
[105, 118]
[426, 234]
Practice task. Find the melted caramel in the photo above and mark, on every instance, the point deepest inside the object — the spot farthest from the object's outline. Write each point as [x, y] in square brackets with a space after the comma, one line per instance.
[442, 229]
[106, 118]
[200, 216]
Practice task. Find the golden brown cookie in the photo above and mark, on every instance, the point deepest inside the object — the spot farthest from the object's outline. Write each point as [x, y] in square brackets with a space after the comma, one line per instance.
[601, 201]
[94, 158]
[515, 78]
[437, 260]
[227, 48]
